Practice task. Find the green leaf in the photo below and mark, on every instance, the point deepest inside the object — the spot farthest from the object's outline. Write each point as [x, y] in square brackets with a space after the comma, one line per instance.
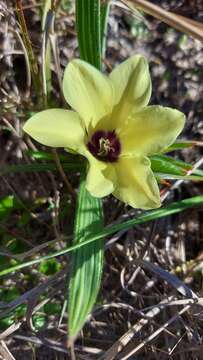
[171, 209]
[49, 267]
[44, 155]
[179, 145]
[166, 167]
[38, 167]
[49, 156]
[6, 205]
[89, 31]
[52, 308]
[87, 262]
[39, 321]
[165, 164]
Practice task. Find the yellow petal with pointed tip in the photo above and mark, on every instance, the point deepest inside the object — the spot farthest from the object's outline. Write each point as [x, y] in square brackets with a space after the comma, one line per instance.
[132, 84]
[136, 184]
[151, 130]
[97, 183]
[87, 91]
[57, 128]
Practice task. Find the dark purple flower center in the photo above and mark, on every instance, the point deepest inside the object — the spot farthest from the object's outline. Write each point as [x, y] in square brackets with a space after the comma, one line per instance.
[105, 145]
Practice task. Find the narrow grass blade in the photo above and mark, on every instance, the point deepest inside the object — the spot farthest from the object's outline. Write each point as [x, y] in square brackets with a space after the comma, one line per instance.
[38, 167]
[172, 279]
[47, 23]
[179, 177]
[169, 210]
[104, 24]
[28, 46]
[179, 145]
[87, 262]
[45, 155]
[46, 8]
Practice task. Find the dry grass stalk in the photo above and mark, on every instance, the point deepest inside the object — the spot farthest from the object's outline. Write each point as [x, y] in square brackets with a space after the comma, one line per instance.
[181, 23]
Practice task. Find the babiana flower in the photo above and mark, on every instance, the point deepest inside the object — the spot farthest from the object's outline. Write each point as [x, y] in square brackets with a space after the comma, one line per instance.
[113, 127]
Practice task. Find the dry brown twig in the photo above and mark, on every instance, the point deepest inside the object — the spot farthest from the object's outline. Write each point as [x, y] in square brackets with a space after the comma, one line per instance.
[4, 351]
[179, 22]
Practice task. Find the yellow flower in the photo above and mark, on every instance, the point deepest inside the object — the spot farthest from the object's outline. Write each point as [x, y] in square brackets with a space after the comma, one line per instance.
[113, 127]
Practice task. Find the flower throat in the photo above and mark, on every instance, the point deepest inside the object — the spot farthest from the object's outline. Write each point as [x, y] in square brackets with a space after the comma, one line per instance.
[105, 145]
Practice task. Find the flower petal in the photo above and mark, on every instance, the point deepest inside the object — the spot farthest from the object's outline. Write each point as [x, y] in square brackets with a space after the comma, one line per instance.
[56, 127]
[132, 84]
[151, 130]
[87, 91]
[136, 184]
[97, 183]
